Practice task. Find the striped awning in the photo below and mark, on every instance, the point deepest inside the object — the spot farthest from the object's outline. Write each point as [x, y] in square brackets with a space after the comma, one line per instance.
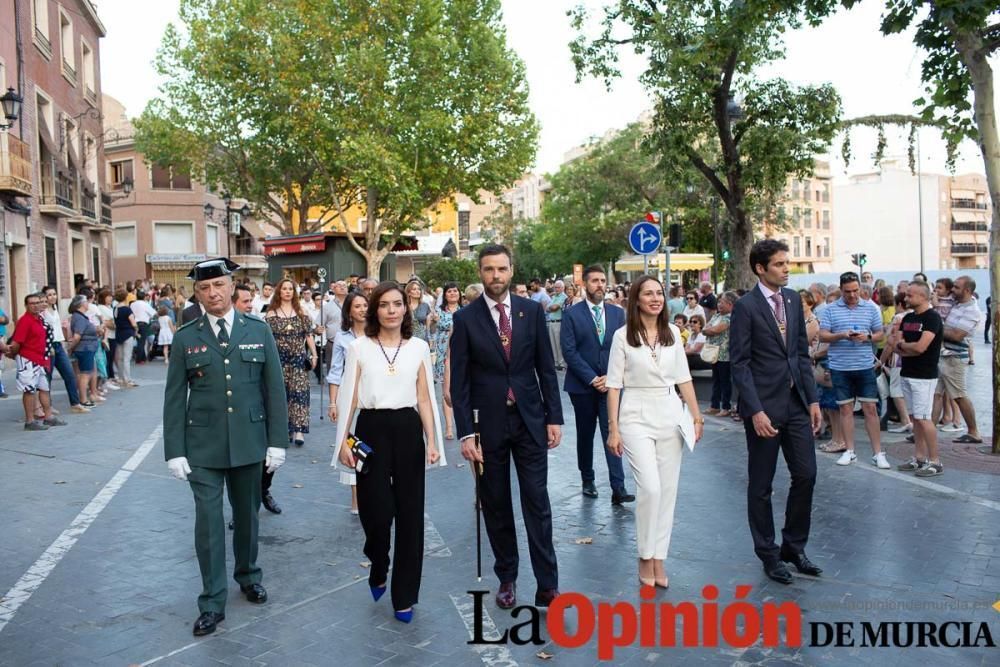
[678, 262]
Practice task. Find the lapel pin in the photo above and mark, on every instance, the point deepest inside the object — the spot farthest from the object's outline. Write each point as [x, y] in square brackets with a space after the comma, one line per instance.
[204, 348]
[520, 313]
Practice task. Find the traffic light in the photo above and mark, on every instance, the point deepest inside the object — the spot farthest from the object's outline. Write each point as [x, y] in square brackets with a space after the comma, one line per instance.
[859, 259]
[725, 254]
[674, 236]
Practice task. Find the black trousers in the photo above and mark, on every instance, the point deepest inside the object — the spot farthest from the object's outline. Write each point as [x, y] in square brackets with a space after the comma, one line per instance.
[795, 440]
[590, 410]
[393, 490]
[532, 463]
[722, 385]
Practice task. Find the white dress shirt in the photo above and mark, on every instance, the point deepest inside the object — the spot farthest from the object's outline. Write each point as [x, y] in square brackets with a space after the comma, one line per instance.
[366, 378]
[228, 317]
[768, 293]
[494, 311]
[51, 315]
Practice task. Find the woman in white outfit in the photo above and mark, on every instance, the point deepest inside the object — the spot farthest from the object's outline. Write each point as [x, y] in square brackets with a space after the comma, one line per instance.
[648, 362]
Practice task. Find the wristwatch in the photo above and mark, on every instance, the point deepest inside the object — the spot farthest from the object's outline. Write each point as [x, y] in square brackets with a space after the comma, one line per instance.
[700, 420]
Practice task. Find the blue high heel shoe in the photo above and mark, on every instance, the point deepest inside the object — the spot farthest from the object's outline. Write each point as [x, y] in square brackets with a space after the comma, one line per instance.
[377, 592]
[404, 616]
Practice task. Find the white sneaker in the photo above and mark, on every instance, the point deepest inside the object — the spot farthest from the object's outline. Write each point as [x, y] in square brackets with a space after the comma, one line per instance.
[902, 428]
[113, 386]
[880, 461]
[951, 428]
[847, 458]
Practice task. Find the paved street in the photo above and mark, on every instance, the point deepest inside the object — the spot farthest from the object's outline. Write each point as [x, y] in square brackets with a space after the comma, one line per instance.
[97, 553]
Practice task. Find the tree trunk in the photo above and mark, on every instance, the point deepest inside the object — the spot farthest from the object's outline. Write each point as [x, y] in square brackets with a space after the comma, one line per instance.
[970, 48]
[738, 272]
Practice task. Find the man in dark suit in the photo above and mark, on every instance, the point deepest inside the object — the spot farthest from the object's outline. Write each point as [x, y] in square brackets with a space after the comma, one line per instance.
[769, 354]
[587, 329]
[502, 365]
[192, 312]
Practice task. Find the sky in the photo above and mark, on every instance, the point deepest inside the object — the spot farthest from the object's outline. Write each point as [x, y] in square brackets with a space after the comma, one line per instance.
[873, 74]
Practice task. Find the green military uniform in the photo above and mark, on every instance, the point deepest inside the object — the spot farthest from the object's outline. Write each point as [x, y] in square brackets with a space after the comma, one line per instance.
[224, 405]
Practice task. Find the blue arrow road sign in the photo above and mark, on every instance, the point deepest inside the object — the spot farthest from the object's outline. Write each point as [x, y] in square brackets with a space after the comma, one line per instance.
[645, 238]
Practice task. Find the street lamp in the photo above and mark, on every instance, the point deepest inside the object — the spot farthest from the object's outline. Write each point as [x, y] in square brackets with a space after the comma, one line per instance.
[227, 200]
[11, 102]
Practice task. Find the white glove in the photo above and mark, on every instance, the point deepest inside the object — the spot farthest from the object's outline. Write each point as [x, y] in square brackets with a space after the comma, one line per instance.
[274, 458]
[179, 467]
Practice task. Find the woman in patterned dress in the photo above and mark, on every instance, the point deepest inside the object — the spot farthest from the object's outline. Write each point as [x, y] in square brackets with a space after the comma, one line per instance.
[440, 335]
[293, 332]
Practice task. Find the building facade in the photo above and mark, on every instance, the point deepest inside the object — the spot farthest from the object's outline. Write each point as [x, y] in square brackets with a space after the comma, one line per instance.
[913, 222]
[161, 227]
[806, 223]
[55, 222]
[965, 216]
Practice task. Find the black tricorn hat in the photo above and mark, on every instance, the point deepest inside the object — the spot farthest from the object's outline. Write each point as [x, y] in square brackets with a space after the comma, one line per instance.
[213, 268]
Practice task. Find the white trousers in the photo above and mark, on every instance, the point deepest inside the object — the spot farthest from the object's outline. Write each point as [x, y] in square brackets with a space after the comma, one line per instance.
[654, 454]
[554, 330]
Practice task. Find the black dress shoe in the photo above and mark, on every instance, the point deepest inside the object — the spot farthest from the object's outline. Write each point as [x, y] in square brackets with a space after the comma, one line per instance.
[589, 489]
[802, 564]
[269, 504]
[545, 598]
[506, 596]
[778, 572]
[617, 498]
[255, 593]
[205, 625]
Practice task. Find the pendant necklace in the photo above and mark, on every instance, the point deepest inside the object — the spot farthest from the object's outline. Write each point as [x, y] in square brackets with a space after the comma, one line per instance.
[391, 362]
[288, 327]
[655, 346]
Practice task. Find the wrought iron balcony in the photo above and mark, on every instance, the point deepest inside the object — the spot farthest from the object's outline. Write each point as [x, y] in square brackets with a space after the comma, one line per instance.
[969, 249]
[58, 191]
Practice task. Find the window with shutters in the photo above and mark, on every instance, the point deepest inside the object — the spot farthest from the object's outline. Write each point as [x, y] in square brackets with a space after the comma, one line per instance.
[125, 241]
[120, 170]
[51, 267]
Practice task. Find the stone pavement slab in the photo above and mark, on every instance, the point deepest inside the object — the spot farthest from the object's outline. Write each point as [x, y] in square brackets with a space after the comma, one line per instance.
[126, 591]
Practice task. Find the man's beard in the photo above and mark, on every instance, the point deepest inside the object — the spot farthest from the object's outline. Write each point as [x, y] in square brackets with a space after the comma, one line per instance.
[497, 289]
[595, 296]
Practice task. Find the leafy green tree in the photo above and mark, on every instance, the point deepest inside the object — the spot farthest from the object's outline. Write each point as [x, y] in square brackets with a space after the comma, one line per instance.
[442, 270]
[530, 260]
[389, 106]
[702, 55]
[957, 38]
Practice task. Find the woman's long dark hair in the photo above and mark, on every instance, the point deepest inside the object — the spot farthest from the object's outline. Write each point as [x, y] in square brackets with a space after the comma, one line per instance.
[633, 321]
[346, 321]
[372, 326]
[296, 304]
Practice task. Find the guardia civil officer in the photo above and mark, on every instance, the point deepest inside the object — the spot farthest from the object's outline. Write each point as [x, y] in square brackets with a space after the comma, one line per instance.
[224, 418]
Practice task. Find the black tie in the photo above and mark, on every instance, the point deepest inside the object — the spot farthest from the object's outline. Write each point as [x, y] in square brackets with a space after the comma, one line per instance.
[223, 335]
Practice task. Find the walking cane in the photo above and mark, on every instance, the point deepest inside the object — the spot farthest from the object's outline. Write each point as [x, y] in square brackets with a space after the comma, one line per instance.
[320, 353]
[477, 470]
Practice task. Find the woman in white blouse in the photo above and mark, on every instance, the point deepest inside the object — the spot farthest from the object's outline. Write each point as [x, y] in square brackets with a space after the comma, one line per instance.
[648, 362]
[352, 327]
[388, 375]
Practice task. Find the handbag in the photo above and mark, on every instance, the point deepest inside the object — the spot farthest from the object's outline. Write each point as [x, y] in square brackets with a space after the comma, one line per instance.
[361, 451]
[710, 353]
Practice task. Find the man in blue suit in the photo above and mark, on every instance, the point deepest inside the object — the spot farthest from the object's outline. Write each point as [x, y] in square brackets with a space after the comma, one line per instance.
[587, 329]
[769, 353]
[502, 365]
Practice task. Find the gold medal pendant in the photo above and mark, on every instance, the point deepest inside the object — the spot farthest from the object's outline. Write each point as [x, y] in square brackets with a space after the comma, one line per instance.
[504, 340]
[288, 328]
[392, 369]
